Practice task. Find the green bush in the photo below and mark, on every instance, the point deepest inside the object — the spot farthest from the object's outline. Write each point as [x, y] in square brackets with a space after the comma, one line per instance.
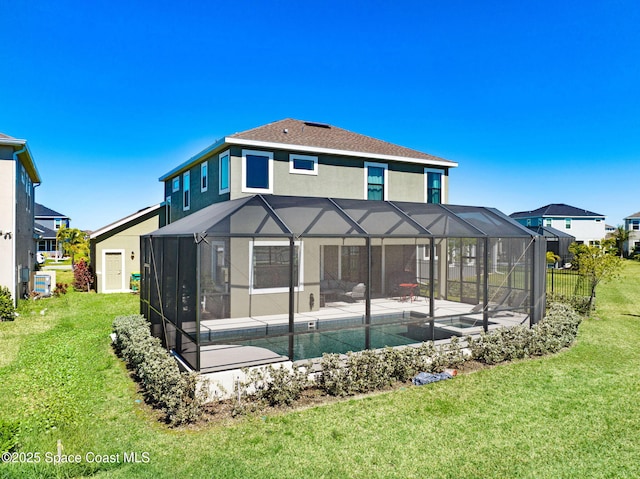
[368, 370]
[7, 310]
[277, 386]
[557, 330]
[166, 388]
[580, 304]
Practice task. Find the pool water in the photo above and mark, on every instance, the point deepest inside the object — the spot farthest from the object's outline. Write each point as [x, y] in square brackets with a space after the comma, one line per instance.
[314, 344]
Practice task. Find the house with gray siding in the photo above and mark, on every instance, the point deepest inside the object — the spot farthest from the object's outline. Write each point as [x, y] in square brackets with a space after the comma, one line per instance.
[302, 158]
[18, 180]
[48, 222]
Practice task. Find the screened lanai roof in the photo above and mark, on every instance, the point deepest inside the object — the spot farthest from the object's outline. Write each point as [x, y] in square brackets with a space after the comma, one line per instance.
[273, 216]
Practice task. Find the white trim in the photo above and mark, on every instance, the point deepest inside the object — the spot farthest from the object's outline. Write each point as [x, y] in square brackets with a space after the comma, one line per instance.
[222, 190]
[204, 173]
[125, 220]
[122, 289]
[266, 154]
[186, 190]
[385, 186]
[299, 287]
[227, 141]
[175, 184]
[292, 168]
[334, 151]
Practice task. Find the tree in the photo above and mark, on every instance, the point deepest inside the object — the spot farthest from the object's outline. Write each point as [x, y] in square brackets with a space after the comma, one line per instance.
[595, 265]
[620, 236]
[73, 242]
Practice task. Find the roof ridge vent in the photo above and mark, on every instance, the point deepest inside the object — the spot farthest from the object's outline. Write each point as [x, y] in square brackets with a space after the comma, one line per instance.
[316, 124]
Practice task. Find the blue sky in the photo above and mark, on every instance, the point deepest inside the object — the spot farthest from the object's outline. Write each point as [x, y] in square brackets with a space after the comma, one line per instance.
[538, 102]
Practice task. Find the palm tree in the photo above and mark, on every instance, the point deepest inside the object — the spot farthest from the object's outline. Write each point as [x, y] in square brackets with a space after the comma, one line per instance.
[621, 236]
[73, 241]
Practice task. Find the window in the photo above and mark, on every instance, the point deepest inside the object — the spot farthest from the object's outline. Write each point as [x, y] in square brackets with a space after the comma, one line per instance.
[635, 225]
[186, 182]
[270, 266]
[434, 185]
[548, 220]
[528, 221]
[224, 172]
[167, 210]
[257, 171]
[176, 184]
[303, 164]
[204, 176]
[567, 223]
[22, 173]
[57, 223]
[375, 181]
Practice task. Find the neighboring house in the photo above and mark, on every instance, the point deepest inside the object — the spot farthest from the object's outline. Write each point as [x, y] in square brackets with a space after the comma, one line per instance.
[48, 222]
[586, 226]
[301, 158]
[18, 179]
[298, 238]
[632, 225]
[115, 250]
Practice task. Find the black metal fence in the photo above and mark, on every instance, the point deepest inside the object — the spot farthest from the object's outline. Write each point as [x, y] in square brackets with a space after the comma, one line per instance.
[567, 282]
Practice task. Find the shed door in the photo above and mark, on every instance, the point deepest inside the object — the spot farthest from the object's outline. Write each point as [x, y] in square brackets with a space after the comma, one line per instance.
[113, 273]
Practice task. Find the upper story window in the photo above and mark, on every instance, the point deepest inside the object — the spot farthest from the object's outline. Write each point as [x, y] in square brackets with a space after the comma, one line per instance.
[204, 176]
[224, 161]
[528, 221]
[567, 223]
[433, 188]
[186, 190]
[303, 164]
[375, 181]
[175, 183]
[167, 210]
[548, 221]
[23, 173]
[257, 171]
[635, 225]
[57, 223]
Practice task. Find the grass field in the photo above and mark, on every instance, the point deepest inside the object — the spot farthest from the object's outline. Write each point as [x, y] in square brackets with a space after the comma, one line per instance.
[575, 414]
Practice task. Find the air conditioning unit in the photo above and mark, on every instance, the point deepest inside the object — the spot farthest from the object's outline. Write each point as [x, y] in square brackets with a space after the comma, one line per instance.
[42, 284]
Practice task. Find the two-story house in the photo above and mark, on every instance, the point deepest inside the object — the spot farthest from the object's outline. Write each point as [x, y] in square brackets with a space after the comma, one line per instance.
[48, 223]
[632, 225]
[298, 238]
[301, 158]
[18, 179]
[586, 226]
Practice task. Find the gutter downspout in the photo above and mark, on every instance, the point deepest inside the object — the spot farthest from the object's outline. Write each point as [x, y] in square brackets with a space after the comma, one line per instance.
[16, 272]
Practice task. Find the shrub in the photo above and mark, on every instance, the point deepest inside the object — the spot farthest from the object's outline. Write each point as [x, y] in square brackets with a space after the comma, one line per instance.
[82, 276]
[579, 303]
[166, 388]
[61, 289]
[277, 386]
[557, 330]
[7, 309]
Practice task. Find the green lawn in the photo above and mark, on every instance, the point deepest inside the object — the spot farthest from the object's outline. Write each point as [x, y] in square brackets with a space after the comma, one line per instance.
[576, 414]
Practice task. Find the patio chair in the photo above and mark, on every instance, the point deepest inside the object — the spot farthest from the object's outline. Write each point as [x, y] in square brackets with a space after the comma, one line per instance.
[494, 303]
[358, 292]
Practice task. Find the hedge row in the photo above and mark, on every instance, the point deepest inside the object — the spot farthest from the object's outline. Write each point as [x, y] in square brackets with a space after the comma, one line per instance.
[176, 394]
[557, 330]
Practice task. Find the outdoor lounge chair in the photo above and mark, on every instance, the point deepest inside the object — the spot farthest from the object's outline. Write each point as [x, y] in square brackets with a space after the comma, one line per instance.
[358, 292]
[494, 303]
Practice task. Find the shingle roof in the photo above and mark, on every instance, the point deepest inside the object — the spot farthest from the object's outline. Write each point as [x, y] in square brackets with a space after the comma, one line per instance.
[322, 135]
[635, 215]
[555, 209]
[47, 233]
[43, 211]
[2, 135]
[308, 136]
